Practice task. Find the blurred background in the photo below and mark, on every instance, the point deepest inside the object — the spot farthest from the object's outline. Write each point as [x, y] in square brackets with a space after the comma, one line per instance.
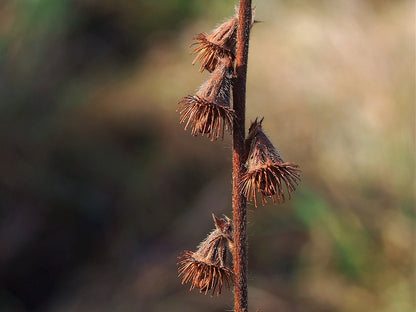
[101, 188]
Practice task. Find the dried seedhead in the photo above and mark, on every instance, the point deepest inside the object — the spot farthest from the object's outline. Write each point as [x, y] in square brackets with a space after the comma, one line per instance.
[210, 267]
[208, 112]
[221, 43]
[267, 173]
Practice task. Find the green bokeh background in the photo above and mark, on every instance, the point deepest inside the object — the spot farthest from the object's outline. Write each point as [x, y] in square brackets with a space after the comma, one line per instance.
[101, 189]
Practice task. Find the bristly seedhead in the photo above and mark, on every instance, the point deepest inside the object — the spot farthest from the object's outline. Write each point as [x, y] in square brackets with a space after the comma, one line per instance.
[267, 173]
[221, 43]
[210, 267]
[208, 112]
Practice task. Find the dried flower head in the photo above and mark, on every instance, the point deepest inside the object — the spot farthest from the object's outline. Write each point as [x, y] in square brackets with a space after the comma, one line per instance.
[209, 268]
[267, 173]
[208, 112]
[221, 43]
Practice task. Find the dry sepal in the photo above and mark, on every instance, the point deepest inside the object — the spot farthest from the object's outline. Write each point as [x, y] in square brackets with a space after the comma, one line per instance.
[208, 112]
[210, 267]
[267, 173]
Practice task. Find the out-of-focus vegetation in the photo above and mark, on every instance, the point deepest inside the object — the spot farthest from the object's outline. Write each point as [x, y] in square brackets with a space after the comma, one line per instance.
[100, 188]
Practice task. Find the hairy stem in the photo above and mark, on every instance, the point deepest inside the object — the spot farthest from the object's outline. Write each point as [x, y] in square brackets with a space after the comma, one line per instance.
[239, 201]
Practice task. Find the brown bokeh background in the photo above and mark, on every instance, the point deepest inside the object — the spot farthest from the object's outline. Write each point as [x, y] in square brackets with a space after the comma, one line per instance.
[101, 189]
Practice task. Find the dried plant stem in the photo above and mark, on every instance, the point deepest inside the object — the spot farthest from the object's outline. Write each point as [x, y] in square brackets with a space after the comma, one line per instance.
[239, 158]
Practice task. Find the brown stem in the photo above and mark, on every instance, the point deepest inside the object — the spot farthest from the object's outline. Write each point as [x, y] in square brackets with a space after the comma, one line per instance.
[239, 201]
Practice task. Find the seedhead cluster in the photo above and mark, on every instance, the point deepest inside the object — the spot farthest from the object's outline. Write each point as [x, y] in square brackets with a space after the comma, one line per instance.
[262, 170]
